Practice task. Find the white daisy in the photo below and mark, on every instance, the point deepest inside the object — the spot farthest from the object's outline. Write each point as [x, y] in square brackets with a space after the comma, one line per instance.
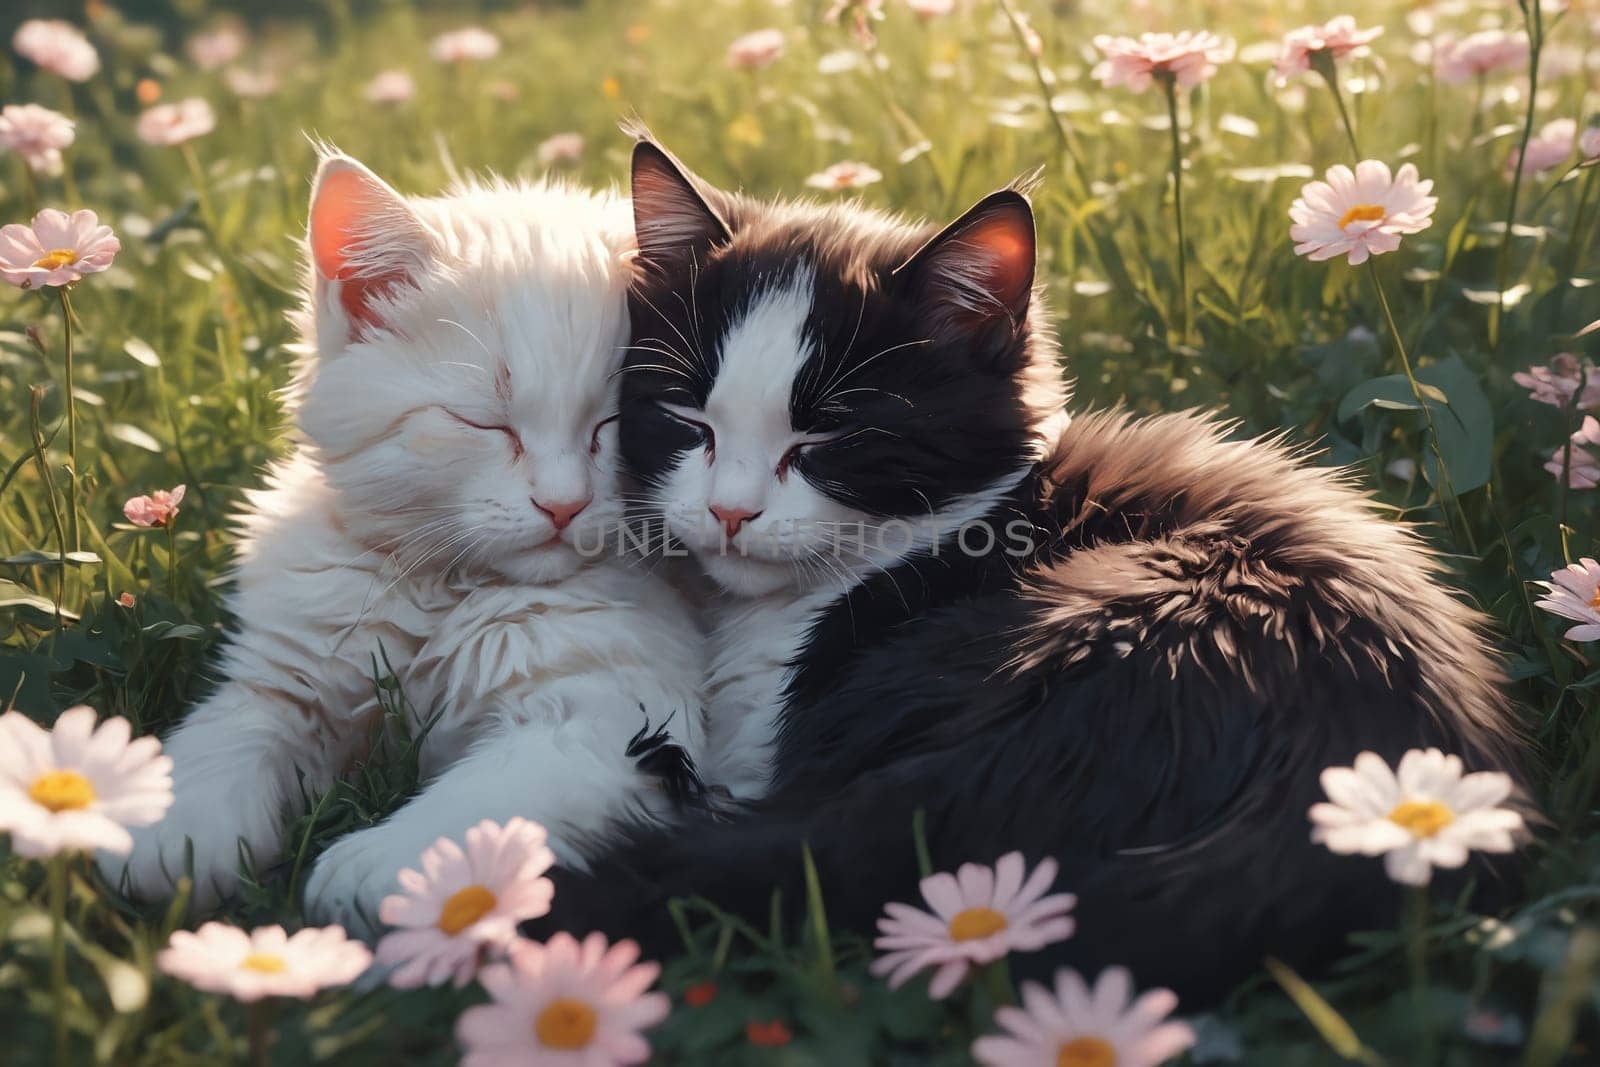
[1427, 814]
[463, 903]
[75, 787]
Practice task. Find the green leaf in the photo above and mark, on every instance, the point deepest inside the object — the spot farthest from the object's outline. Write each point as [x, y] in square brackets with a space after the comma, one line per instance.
[1466, 425]
[168, 631]
[25, 676]
[1460, 410]
[1390, 393]
[13, 595]
[126, 985]
[1340, 1035]
[132, 435]
[34, 557]
[141, 352]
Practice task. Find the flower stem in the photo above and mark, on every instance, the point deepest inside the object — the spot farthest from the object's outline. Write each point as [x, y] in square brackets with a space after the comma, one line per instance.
[172, 559]
[1416, 392]
[1322, 63]
[72, 425]
[39, 459]
[58, 956]
[1573, 258]
[1534, 17]
[1572, 415]
[31, 183]
[260, 1032]
[997, 983]
[1417, 945]
[197, 174]
[1069, 143]
[1170, 84]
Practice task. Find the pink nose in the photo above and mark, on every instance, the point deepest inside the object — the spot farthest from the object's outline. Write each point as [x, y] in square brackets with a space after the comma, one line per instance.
[732, 518]
[562, 514]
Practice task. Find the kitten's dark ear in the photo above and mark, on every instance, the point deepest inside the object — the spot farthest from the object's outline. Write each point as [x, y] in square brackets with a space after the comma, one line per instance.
[364, 240]
[674, 223]
[974, 278]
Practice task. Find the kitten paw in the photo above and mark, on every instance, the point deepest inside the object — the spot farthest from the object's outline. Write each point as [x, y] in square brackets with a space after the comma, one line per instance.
[214, 828]
[357, 871]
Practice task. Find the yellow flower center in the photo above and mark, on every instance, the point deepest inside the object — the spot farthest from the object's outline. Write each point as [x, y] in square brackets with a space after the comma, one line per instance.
[1086, 1052]
[1362, 213]
[975, 923]
[57, 257]
[61, 791]
[465, 907]
[263, 963]
[565, 1024]
[1423, 818]
[1594, 601]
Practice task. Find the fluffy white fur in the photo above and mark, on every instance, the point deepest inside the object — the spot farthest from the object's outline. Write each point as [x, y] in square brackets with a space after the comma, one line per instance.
[798, 553]
[455, 403]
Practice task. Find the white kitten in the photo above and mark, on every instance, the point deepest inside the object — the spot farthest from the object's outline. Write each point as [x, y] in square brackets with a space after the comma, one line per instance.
[457, 473]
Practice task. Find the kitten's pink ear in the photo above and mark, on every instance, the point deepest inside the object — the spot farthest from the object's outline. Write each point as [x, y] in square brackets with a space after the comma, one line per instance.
[364, 240]
[674, 223]
[974, 278]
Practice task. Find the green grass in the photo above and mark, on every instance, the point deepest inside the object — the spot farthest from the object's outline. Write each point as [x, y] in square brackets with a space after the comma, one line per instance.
[182, 347]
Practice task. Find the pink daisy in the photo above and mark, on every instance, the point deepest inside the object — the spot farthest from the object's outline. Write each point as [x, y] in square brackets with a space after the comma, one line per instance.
[58, 47]
[1589, 143]
[37, 134]
[1077, 1026]
[1583, 469]
[979, 915]
[1558, 383]
[173, 124]
[216, 47]
[858, 16]
[250, 84]
[564, 1004]
[266, 962]
[1573, 592]
[390, 87]
[845, 175]
[1549, 149]
[1463, 60]
[464, 903]
[1360, 213]
[560, 148]
[754, 50]
[1188, 58]
[157, 509]
[1339, 39]
[465, 45]
[57, 249]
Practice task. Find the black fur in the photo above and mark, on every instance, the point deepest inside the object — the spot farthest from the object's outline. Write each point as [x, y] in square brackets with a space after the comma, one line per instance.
[1148, 696]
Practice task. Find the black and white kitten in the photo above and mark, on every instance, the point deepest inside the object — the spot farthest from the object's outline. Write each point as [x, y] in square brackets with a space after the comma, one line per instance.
[1128, 644]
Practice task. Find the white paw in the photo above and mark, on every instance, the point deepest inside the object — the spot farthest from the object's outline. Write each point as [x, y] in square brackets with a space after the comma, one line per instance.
[213, 822]
[357, 871]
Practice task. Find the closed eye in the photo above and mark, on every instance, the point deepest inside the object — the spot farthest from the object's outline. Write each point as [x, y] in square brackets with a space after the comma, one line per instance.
[683, 416]
[796, 450]
[594, 438]
[510, 433]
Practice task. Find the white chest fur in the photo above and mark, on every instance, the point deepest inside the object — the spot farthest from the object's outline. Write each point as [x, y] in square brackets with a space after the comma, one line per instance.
[754, 645]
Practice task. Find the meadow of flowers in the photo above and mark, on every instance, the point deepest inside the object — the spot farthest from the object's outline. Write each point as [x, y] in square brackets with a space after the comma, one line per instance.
[1366, 226]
